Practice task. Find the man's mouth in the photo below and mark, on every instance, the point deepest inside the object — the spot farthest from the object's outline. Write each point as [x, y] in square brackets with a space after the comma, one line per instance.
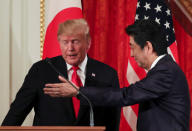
[72, 56]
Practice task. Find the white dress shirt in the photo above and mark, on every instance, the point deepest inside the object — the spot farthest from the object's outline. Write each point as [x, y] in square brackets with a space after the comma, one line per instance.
[156, 60]
[81, 72]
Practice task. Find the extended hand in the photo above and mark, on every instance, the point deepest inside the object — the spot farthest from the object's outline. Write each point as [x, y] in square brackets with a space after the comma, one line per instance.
[63, 89]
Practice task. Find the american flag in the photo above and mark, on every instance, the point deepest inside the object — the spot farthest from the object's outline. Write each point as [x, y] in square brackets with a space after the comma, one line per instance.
[158, 11]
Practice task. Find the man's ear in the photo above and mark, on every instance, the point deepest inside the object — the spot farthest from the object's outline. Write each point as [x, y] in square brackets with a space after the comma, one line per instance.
[149, 47]
[89, 43]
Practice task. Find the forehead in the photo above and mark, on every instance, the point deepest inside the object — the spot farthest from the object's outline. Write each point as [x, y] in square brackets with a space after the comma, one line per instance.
[134, 44]
[72, 36]
[132, 41]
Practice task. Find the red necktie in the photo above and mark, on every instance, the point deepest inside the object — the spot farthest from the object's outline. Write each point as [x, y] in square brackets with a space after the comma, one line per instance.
[77, 81]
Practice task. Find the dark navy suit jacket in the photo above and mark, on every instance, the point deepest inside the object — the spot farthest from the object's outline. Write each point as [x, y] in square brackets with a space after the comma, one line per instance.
[59, 111]
[163, 98]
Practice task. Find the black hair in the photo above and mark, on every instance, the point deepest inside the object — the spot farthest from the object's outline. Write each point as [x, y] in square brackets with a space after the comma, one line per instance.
[147, 30]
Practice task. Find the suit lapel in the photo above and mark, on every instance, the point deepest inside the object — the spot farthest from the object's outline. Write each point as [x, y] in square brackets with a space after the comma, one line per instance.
[61, 66]
[89, 80]
[90, 72]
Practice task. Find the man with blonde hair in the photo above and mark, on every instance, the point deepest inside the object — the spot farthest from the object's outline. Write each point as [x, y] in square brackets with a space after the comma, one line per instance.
[74, 64]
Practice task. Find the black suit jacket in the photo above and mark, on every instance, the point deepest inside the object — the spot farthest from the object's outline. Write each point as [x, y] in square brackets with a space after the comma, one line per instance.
[59, 111]
[163, 98]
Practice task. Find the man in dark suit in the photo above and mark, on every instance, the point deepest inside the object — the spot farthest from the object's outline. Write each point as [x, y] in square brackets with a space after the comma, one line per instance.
[74, 39]
[163, 95]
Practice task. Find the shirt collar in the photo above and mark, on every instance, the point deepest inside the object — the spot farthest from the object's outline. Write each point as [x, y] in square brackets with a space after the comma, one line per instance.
[81, 66]
[156, 60]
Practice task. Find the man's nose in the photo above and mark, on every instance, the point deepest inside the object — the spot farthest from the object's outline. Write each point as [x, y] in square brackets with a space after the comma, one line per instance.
[70, 45]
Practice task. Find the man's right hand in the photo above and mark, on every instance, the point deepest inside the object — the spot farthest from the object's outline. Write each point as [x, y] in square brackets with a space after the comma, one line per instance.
[64, 89]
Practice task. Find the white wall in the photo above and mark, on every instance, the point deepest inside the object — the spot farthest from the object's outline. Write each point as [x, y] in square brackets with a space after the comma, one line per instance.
[19, 47]
[4, 57]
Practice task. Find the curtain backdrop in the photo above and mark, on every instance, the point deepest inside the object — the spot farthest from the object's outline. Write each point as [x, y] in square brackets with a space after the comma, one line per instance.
[184, 44]
[110, 44]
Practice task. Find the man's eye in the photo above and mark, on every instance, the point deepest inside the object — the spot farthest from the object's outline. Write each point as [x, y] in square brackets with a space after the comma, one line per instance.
[75, 41]
[64, 42]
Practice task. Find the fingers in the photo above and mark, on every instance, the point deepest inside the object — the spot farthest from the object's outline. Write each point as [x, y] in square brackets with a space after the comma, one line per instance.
[55, 85]
[59, 90]
[65, 81]
[62, 79]
[51, 91]
[63, 89]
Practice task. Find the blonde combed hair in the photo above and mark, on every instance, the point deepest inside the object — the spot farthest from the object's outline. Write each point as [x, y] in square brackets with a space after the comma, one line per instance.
[73, 27]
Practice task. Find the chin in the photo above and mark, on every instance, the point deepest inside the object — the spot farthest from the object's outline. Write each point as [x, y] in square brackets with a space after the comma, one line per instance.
[72, 62]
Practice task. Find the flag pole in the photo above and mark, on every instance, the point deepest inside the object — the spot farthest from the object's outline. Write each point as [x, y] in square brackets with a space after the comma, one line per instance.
[42, 26]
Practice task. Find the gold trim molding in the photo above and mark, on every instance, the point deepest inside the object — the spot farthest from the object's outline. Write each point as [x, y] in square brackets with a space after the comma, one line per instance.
[42, 26]
[187, 5]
